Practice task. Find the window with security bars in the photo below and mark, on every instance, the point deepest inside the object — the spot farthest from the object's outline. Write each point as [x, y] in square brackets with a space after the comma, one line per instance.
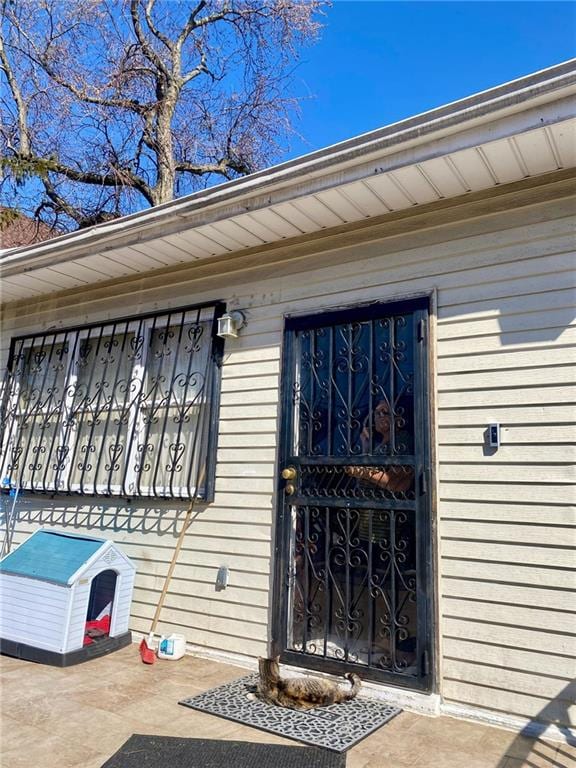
[125, 408]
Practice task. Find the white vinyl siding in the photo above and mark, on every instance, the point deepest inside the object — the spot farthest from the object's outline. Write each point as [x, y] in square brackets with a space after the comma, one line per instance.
[505, 523]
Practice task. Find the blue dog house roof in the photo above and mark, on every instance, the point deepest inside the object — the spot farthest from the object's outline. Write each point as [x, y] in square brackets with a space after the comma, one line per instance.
[51, 556]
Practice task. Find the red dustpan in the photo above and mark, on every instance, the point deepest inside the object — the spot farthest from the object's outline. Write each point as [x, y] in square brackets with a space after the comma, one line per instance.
[146, 652]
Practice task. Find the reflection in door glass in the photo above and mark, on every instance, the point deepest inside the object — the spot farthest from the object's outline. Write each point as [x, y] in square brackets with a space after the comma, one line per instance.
[346, 373]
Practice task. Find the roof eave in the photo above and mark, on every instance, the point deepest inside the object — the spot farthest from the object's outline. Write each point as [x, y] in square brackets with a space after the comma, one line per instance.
[551, 84]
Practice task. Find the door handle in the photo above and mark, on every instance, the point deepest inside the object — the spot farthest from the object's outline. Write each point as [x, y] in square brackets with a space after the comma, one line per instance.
[290, 474]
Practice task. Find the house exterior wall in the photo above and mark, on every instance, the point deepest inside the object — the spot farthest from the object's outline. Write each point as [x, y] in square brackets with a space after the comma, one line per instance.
[504, 529]
[34, 612]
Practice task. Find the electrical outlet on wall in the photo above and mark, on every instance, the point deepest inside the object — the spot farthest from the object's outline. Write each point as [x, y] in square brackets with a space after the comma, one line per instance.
[222, 578]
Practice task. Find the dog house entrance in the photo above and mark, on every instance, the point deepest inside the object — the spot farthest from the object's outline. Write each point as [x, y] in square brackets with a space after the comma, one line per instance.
[353, 575]
[100, 606]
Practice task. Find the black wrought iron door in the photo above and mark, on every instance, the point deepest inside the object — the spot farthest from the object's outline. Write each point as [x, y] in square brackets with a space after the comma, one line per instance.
[353, 581]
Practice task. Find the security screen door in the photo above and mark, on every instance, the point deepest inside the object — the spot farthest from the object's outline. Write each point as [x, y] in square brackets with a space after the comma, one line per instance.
[353, 558]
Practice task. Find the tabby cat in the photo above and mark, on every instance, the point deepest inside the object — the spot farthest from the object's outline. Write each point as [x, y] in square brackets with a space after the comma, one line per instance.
[301, 692]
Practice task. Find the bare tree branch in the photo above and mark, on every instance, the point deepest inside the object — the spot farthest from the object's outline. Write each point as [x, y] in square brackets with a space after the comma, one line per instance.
[199, 70]
[111, 179]
[43, 60]
[106, 108]
[58, 204]
[191, 23]
[22, 111]
[147, 49]
[224, 168]
[156, 32]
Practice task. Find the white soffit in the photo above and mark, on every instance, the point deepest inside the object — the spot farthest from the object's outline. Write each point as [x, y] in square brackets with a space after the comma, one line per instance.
[392, 181]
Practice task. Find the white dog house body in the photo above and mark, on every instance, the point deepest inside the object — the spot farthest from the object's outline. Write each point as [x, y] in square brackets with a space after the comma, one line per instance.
[52, 586]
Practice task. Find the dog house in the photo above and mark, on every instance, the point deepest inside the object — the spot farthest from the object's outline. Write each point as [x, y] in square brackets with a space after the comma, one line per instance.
[64, 598]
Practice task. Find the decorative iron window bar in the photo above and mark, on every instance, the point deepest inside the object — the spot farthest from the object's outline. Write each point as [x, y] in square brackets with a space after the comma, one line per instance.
[123, 408]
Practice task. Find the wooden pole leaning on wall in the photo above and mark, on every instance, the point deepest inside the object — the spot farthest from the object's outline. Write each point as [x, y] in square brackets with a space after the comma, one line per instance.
[147, 645]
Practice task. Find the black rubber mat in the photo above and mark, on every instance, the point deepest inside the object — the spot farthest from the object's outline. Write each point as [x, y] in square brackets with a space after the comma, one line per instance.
[337, 727]
[169, 752]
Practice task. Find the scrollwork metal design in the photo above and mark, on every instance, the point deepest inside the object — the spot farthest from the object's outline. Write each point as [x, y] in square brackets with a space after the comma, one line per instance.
[354, 586]
[352, 580]
[108, 408]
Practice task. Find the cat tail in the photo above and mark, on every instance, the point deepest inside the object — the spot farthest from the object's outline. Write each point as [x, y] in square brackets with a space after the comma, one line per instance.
[353, 692]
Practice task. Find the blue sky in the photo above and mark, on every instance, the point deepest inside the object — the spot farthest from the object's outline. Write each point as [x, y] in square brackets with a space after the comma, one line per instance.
[378, 62]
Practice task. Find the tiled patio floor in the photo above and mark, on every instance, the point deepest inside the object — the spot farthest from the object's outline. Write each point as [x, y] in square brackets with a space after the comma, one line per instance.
[79, 716]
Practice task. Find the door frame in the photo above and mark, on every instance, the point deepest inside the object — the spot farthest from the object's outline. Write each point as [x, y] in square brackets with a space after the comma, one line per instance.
[424, 409]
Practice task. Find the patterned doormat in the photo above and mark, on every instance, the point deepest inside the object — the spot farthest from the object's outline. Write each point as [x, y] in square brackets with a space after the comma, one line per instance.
[337, 727]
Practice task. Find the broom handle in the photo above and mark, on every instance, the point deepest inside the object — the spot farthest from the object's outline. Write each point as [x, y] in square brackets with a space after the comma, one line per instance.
[175, 556]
